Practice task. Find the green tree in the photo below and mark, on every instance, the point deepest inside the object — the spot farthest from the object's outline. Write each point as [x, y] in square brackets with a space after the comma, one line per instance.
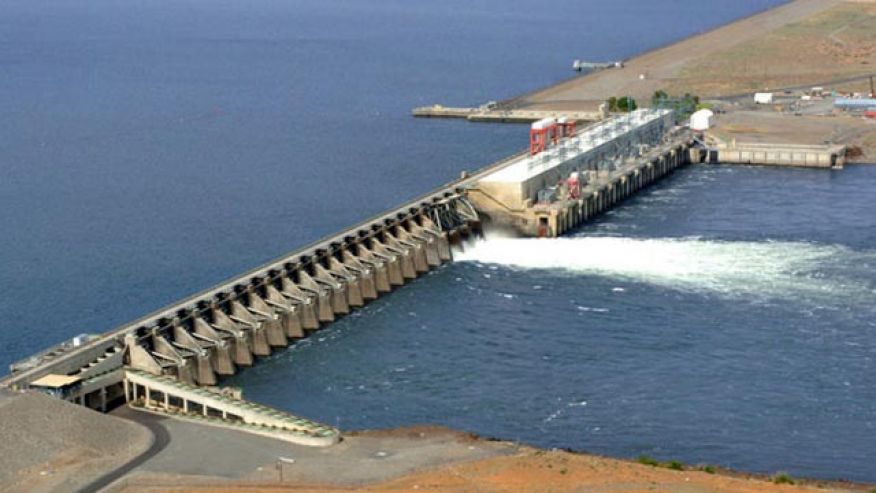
[659, 99]
[626, 104]
[612, 104]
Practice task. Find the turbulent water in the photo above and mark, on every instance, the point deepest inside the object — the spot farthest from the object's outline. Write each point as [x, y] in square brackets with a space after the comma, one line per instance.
[149, 150]
[734, 269]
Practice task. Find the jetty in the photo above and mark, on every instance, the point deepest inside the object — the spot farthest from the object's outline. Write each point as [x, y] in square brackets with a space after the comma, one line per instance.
[503, 114]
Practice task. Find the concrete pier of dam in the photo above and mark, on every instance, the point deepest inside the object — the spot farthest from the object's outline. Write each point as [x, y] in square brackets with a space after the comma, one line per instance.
[170, 362]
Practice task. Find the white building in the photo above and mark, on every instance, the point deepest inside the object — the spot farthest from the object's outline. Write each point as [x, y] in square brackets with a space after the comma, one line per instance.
[763, 98]
[701, 120]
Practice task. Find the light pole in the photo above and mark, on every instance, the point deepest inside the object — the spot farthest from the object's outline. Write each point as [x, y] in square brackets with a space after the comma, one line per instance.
[280, 462]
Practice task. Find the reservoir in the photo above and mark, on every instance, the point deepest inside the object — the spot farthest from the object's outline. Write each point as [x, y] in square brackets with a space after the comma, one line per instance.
[151, 150]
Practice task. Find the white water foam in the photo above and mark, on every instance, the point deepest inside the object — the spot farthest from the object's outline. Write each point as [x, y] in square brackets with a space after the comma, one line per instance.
[766, 269]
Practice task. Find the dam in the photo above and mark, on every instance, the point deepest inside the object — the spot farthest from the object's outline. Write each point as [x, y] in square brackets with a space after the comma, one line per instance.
[171, 361]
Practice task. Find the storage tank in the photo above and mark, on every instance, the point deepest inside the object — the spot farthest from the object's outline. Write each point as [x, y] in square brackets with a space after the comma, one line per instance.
[701, 120]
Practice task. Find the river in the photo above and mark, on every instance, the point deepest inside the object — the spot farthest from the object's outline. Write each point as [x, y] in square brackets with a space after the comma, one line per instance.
[151, 149]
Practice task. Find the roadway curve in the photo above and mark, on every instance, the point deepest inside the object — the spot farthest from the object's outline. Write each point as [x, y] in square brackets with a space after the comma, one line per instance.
[160, 440]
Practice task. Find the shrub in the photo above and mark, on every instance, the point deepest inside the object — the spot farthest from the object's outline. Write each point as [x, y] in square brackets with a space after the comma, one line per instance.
[623, 104]
[659, 99]
[783, 478]
[626, 104]
[648, 461]
[612, 104]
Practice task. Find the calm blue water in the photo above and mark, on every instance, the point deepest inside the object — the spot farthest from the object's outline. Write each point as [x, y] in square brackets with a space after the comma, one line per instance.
[151, 149]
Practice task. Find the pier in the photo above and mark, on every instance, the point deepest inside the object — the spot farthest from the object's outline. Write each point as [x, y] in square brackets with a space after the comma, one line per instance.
[503, 114]
[170, 362]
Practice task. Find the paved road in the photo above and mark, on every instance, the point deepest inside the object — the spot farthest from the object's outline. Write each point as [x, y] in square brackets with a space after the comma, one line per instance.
[161, 438]
[746, 96]
[190, 449]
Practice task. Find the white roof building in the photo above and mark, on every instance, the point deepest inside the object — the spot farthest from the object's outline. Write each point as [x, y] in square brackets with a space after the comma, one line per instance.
[763, 98]
[701, 120]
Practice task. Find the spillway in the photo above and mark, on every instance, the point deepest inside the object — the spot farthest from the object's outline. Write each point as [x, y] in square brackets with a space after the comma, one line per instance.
[171, 361]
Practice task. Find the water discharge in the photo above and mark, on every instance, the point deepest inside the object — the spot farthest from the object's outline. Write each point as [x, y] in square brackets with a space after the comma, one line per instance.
[763, 270]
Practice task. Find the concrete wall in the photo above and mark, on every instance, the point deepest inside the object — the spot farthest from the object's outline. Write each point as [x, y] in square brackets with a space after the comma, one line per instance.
[782, 155]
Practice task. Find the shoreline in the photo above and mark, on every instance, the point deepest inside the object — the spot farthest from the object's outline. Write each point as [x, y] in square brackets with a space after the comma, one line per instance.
[666, 60]
[787, 51]
[576, 77]
[395, 463]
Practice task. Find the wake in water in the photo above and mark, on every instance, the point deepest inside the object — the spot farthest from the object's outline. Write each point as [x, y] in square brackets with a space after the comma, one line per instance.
[762, 269]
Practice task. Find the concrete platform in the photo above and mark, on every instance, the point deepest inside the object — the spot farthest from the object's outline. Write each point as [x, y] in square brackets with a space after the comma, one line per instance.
[359, 459]
[505, 115]
[779, 154]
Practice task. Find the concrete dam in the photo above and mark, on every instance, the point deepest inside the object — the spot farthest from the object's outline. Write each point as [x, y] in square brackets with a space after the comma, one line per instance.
[171, 362]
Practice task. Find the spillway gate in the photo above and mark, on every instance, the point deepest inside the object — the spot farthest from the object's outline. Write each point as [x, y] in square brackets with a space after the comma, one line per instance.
[217, 332]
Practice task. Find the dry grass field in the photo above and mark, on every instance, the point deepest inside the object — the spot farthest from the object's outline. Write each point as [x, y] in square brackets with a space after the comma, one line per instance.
[834, 45]
[802, 43]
